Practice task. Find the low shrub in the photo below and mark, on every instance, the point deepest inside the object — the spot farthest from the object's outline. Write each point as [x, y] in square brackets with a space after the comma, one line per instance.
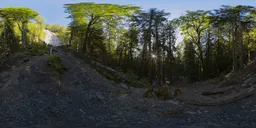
[55, 63]
[176, 92]
[158, 92]
[36, 50]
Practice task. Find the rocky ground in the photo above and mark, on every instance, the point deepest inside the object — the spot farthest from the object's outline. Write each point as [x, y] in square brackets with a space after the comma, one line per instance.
[31, 97]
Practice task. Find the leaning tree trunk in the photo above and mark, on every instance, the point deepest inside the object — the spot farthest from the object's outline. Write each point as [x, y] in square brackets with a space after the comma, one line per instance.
[88, 29]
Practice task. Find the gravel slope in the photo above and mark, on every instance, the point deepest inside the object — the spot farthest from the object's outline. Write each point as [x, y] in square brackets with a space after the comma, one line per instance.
[29, 97]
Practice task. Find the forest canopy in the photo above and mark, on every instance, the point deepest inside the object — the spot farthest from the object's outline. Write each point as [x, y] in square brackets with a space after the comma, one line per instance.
[144, 42]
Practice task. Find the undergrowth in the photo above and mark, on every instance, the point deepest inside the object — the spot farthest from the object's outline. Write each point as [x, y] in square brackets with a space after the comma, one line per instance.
[35, 50]
[55, 63]
[158, 92]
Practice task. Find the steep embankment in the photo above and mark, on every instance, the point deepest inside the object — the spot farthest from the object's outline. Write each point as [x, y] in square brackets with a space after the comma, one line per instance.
[30, 95]
[220, 91]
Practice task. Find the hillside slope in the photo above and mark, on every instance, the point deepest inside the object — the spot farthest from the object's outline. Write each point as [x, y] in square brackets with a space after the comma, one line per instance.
[30, 96]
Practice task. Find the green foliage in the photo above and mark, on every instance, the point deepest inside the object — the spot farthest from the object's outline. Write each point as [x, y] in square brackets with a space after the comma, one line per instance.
[150, 92]
[20, 14]
[56, 28]
[130, 74]
[61, 32]
[8, 37]
[40, 20]
[35, 33]
[88, 19]
[55, 63]
[159, 92]
[143, 43]
[36, 50]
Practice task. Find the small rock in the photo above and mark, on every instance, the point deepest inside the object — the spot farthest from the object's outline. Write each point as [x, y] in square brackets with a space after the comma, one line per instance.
[173, 102]
[123, 96]
[99, 96]
[124, 86]
[246, 82]
[199, 112]
[189, 112]
[26, 60]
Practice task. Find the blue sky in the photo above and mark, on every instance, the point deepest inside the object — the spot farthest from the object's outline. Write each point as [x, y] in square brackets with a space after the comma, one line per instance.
[53, 10]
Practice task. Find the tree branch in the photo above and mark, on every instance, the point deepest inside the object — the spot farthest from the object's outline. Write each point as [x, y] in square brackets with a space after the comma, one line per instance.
[20, 27]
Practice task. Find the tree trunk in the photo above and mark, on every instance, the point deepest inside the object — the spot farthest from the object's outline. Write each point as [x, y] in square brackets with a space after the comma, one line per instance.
[159, 70]
[142, 60]
[125, 61]
[120, 57]
[130, 52]
[109, 38]
[170, 63]
[23, 32]
[208, 64]
[71, 36]
[201, 57]
[150, 68]
[5, 37]
[234, 50]
[163, 69]
[248, 50]
[241, 47]
[150, 31]
[84, 48]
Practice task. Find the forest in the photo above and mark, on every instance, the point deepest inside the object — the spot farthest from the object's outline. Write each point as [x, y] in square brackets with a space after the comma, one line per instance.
[143, 43]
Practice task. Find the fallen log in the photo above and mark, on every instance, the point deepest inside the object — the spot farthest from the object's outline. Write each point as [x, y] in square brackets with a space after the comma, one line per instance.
[217, 91]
